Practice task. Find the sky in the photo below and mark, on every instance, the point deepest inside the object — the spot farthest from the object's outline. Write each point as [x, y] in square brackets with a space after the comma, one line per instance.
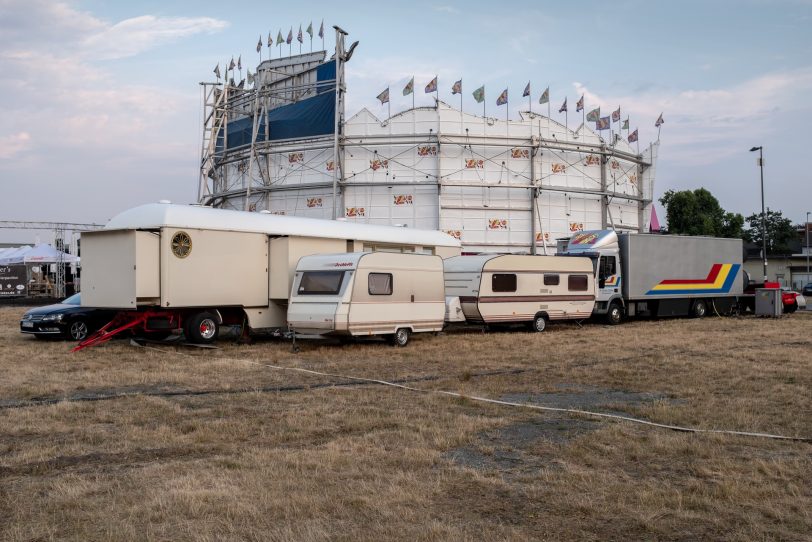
[101, 103]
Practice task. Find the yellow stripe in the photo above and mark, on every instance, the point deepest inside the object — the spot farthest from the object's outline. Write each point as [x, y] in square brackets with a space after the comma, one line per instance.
[720, 280]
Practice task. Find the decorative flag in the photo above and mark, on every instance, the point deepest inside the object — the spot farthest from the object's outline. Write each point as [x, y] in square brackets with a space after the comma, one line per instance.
[432, 86]
[217, 70]
[603, 123]
[563, 106]
[526, 90]
[299, 35]
[545, 96]
[594, 115]
[384, 96]
[290, 36]
[259, 44]
[279, 39]
[659, 122]
[242, 84]
[250, 78]
[580, 105]
[633, 136]
[654, 222]
[625, 124]
[321, 29]
[409, 88]
[503, 98]
[457, 88]
[616, 115]
[231, 66]
[270, 39]
[479, 94]
[239, 62]
[310, 29]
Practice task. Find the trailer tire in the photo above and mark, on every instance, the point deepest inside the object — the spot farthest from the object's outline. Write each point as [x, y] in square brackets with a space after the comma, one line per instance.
[699, 309]
[614, 315]
[202, 328]
[539, 323]
[400, 337]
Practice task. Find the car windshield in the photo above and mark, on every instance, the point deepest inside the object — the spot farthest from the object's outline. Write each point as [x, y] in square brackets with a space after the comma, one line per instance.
[75, 299]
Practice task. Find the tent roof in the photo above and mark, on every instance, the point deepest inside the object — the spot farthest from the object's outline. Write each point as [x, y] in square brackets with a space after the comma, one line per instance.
[41, 253]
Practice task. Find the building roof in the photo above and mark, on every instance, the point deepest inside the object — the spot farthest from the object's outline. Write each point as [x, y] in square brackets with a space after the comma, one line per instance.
[159, 215]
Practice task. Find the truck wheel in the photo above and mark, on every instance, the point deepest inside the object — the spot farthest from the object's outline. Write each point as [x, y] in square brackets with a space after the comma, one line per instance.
[400, 338]
[614, 315]
[202, 328]
[539, 323]
[700, 309]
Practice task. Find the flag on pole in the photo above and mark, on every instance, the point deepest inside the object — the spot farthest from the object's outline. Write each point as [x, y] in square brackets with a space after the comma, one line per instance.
[633, 136]
[503, 98]
[457, 88]
[479, 94]
[310, 29]
[250, 78]
[231, 66]
[321, 29]
[239, 63]
[616, 115]
[279, 39]
[659, 122]
[603, 123]
[270, 40]
[563, 108]
[545, 96]
[299, 35]
[409, 88]
[526, 90]
[432, 86]
[290, 36]
[594, 115]
[259, 44]
[580, 104]
[625, 124]
[384, 96]
[217, 70]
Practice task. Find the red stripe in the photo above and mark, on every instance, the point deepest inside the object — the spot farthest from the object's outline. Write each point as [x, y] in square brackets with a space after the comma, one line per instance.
[714, 272]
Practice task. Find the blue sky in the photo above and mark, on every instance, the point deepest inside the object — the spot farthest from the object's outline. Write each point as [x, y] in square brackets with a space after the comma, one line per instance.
[102, 104]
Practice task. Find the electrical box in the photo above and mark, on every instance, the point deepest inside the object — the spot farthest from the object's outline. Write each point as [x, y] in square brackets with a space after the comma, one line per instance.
[768, 302]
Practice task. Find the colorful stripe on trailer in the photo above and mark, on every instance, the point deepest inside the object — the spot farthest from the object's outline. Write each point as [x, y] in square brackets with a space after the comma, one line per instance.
[719, 281]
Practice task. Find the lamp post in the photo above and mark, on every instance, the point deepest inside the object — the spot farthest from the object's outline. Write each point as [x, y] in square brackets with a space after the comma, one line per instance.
[763, 214]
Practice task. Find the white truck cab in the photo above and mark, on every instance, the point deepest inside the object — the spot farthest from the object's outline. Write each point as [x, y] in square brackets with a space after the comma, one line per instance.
[602, 247]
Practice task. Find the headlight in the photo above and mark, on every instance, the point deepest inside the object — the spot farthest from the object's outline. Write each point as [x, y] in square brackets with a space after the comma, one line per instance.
[52, 318]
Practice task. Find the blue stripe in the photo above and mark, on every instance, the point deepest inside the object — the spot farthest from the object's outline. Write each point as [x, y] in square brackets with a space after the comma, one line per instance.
[731, 277]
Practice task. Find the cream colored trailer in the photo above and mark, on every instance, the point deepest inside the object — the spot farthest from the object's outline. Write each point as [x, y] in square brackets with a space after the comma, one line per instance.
[368, 294]
[225, 265]
[505, 289]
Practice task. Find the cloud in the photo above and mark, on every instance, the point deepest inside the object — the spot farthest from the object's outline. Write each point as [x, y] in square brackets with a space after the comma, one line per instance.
[703, 126]
[12, 145]
[446, 9]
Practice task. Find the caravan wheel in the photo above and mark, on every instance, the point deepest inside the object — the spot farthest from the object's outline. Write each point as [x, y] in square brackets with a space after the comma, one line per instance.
[202, 328]
[400, 338]
[539, 323]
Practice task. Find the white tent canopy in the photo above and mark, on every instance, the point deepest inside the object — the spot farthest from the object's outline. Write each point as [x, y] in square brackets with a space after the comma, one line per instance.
[39, 254]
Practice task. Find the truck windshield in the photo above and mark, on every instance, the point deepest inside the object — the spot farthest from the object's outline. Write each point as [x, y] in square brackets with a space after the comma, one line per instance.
[320, 283]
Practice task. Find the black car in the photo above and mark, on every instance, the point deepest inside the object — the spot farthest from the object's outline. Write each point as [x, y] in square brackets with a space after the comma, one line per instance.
[67, 319]
[807, 291]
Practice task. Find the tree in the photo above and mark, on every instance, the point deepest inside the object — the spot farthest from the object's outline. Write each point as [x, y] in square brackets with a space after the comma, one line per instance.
[780, 232]
[698, 212]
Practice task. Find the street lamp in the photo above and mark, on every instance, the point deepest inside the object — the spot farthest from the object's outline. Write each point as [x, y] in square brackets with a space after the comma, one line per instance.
[763, 214]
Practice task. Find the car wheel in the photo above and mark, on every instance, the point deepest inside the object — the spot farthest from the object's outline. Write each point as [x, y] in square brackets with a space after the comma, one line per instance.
[78, 330]
[539, 323]
[400, 338]
[699, 309]
[202, 328]
[614, 315]
[791, 308]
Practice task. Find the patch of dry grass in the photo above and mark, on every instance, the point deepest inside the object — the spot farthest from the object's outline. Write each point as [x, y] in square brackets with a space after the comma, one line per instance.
[366, 462]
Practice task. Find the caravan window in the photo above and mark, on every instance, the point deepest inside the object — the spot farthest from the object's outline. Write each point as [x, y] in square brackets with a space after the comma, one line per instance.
[320, 282]
[551, 280]
[380, 283]
[578, 283]
[503, 282]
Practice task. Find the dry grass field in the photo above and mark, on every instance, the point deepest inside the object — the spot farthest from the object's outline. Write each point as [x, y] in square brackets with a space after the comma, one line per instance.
[179, 443]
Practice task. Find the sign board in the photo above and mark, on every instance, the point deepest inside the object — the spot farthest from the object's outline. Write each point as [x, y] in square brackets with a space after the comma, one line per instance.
[13, 280]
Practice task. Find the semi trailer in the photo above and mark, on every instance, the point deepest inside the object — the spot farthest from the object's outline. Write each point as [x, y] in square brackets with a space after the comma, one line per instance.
[660, 275]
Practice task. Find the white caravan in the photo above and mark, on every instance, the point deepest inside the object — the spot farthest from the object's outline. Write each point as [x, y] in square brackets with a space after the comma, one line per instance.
[506, 289]
[370, 293]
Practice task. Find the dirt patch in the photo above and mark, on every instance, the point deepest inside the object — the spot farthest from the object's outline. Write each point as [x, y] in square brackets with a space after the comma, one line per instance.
[581, 397]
